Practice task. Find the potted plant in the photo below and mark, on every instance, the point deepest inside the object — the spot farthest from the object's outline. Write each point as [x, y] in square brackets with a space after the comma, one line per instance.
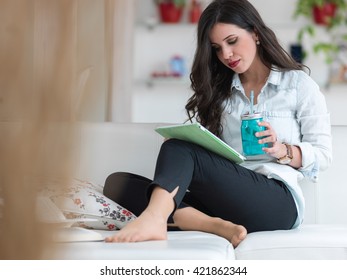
[330, 15]
[322, 12]
[170, 11]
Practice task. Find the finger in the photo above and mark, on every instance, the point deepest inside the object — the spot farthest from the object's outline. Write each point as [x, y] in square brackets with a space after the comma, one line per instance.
[265, 124]
[269, 150]
[269, 139]
[263, 133]
[267, 133]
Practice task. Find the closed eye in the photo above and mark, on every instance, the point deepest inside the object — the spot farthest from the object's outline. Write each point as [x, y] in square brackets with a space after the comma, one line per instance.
[232, 42]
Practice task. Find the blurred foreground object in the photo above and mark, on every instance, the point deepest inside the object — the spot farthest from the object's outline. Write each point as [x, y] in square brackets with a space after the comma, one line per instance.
[36, 121]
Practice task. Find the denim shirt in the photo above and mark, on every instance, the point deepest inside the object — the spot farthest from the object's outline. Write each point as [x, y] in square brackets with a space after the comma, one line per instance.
[295, 107]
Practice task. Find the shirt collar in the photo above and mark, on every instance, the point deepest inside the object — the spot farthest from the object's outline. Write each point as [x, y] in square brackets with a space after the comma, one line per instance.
[274, 79]
[236, 82]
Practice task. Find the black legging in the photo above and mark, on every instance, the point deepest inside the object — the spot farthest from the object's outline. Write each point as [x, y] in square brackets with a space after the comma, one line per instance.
[211, 184]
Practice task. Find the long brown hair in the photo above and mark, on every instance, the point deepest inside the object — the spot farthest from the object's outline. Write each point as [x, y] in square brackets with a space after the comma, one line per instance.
[210, 79]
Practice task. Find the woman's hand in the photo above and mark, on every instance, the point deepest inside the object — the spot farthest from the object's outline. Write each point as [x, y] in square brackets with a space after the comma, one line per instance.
[275, 148]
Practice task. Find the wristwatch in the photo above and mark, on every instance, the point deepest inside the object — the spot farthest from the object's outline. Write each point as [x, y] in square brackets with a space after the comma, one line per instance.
[288, 157]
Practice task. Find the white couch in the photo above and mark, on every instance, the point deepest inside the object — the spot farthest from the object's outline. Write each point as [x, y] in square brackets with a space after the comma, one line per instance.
[108, 147]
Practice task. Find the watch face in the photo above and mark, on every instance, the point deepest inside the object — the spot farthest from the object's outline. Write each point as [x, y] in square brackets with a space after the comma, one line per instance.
[285, 160]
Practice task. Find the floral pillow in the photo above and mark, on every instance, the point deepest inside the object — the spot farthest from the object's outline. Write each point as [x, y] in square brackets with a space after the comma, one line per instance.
[84, 200]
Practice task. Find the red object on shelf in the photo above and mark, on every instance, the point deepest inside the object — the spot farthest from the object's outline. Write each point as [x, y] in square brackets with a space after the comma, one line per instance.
[170, 13]
[195, 12]
[323, 14]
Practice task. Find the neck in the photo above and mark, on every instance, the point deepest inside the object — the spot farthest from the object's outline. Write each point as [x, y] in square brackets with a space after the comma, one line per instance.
[256, 76]
[254, 80]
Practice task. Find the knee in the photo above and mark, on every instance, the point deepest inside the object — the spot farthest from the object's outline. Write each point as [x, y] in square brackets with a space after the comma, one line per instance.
[113, 182]
[124, 183]
[173, 143]
[174, 148]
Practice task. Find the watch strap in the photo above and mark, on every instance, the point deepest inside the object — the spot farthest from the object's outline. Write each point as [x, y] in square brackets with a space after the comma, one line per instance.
[288, 157]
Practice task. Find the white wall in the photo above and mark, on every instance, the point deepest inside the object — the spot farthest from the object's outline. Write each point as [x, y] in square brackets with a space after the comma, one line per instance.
[332, 184]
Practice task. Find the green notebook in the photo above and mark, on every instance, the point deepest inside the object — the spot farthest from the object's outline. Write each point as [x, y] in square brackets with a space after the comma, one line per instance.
[196, 133]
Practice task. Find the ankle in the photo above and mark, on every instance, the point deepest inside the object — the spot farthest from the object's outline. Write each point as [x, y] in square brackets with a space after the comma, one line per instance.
[162, 202]
[156, 214]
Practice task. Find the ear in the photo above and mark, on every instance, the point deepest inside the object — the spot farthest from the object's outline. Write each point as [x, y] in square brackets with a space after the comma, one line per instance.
[255, 35]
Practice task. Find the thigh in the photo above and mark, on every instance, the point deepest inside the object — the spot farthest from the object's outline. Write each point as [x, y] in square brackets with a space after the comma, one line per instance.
[240, 195]
[129, 190]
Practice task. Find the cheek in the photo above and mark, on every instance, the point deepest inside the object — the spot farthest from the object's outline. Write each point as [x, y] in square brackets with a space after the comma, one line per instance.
[220, 58]
[251, 50]
[248, 54]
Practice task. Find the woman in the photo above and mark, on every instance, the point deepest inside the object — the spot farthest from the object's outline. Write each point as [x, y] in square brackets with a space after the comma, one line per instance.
[194, 189]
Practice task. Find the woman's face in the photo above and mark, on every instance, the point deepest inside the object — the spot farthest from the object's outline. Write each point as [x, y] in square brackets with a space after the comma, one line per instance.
[235, 47]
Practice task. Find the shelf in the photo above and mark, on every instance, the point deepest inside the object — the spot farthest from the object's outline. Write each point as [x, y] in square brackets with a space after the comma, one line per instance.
[152, 82]
[169, 81]
[166, 27]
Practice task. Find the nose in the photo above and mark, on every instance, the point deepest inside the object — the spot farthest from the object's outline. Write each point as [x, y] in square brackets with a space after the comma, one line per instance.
[227, 53]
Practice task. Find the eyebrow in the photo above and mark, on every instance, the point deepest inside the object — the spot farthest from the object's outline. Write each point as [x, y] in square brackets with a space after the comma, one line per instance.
[226, 38]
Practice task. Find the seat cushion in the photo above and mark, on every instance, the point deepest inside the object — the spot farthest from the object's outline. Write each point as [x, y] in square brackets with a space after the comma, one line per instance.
[181, 245]
[308, 242]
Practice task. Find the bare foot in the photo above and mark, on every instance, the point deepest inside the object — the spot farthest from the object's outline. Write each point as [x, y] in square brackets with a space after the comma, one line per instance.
[189, 218]
[232, 232]
[148, 226]
[239, 234]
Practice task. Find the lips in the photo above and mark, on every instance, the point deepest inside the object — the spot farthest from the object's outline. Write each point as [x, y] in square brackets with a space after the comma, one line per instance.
[233, 64]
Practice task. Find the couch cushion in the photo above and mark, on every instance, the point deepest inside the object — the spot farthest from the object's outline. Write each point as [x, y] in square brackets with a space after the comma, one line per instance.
[186, 245]
[308, 242]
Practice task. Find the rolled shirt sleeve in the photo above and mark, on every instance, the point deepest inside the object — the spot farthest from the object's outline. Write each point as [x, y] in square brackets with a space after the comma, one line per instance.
[314, 120]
